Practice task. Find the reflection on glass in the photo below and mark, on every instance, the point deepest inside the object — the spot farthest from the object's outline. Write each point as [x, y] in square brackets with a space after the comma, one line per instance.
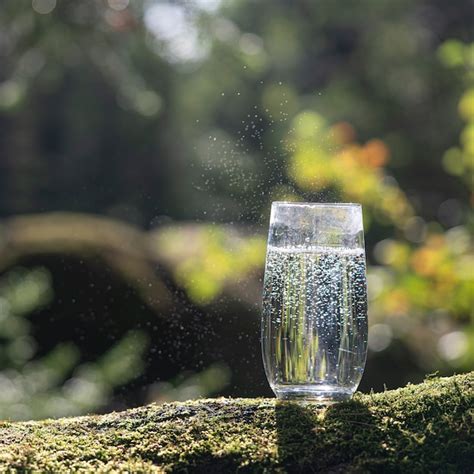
[314, 322]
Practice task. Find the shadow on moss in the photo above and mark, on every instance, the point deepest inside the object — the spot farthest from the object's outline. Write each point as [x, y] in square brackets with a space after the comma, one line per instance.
[328, 439]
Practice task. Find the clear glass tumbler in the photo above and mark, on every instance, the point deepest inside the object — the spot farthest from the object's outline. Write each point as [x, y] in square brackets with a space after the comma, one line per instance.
[314, 321]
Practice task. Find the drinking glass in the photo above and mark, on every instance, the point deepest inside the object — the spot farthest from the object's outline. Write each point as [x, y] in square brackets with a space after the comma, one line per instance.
[314, 321]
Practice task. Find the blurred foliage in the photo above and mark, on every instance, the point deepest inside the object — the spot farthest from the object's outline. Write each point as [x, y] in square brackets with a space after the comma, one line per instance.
[55, 384]
[422, 291]
[327, 159]
[191, 386]
[207, 258]
[206, 111]
[459, 161]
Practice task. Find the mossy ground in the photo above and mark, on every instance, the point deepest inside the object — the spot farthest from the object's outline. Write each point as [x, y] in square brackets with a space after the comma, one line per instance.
[419, 428]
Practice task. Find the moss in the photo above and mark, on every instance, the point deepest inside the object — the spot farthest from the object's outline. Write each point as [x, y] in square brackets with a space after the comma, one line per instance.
[419, 428]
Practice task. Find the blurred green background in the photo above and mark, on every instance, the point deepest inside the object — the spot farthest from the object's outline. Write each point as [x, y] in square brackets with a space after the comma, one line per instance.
[141, 145]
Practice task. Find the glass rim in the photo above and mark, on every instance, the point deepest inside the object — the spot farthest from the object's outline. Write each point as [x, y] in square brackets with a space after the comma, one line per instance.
[317, 204]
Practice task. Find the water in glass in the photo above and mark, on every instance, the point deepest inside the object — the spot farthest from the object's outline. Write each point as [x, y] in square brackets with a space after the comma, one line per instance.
[314, 324]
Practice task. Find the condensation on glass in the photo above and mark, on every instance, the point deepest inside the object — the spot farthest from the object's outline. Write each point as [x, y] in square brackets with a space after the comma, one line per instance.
[314, 321]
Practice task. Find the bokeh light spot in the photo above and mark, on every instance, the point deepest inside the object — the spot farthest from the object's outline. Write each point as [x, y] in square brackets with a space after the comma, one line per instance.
[43, 7]
[118, 5]
[380, 337]
[415, 229]
[453, 345]
[250, 44]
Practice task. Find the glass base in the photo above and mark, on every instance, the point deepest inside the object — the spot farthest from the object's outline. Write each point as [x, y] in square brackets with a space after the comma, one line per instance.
[321, 394]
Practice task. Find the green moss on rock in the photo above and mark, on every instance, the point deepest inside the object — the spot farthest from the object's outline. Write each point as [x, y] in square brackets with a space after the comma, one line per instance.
[419, 428]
